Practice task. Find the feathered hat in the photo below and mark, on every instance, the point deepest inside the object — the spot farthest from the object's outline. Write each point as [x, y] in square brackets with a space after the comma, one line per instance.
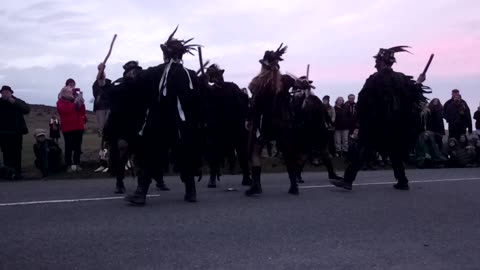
[388, 55]
[271, 58]
[303, 83]
[215, 69]
[175, 48]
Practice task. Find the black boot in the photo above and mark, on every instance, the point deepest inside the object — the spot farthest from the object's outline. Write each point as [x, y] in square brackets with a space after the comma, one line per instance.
[213, 181]
[247, 181]
[139, 197]
[256, 187]
[162, 186]
[293, 183]
[399, 172]
[341, 184]
[120, 187]
[402, 184]
[190, 190]
[331, 171]
[299, 178]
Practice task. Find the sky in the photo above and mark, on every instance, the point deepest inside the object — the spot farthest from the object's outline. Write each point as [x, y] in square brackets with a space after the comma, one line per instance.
[46, 42]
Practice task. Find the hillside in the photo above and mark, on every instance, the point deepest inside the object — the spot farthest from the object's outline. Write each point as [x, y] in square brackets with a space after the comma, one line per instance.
[39, 117]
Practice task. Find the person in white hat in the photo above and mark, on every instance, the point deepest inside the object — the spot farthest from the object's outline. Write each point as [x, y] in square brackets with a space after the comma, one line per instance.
[47, 153]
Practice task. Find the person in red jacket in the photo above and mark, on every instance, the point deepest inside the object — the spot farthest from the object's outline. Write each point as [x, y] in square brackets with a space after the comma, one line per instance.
[72, 111]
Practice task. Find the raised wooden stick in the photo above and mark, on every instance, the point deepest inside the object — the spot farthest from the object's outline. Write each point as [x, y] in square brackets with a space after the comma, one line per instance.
[110, 50]
[204, 66]
[200, 57]
[308, 71]
[428, 64]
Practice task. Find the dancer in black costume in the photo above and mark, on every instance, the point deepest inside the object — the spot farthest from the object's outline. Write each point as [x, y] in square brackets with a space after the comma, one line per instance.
[172, 122]
[389, 113]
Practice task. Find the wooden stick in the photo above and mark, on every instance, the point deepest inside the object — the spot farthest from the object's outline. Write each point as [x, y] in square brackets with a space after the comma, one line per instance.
[110, 50]
[201, 60]
[308, 71]
[428, 64]
[204, 66]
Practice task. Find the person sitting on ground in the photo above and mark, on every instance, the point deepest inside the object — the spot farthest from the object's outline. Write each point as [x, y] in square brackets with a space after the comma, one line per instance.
[47, 153]
[457, 155]
[476, 144]
[427, 153]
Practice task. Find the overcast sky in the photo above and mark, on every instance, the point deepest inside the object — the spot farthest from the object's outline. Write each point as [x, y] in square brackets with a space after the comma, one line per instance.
[46, 42]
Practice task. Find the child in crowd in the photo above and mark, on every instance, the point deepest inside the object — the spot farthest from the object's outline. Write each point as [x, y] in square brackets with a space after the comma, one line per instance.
[54, 128]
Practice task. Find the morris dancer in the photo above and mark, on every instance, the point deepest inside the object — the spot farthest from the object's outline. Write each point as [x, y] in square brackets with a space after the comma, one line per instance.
[389, 112]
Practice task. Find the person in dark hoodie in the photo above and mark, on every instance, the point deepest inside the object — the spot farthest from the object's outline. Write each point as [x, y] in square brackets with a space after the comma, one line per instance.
[457, 114]
[12, 129]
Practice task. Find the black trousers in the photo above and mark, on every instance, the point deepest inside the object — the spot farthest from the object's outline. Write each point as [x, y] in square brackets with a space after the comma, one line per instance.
[455, 131]
[155, 147]
[11, 146]
[361, 156]
[223, 146]
[48, 162]
[73, 146]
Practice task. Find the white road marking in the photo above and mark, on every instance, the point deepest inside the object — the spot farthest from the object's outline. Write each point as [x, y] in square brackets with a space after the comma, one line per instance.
[68, 201]
[157, 195]
[390, 183]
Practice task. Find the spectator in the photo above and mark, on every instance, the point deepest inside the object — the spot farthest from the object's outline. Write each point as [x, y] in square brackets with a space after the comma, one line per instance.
[351, 108]
[54, 128]
[73, 117]
[427, 153]
[330, 127]
[101, 89]
[352, 146]
[457, 114]
[434, 121]
[101, 106]
[458, 156]
[12, 129]
[341, 127]
[47, 154]
[476, 116]
[476, 144]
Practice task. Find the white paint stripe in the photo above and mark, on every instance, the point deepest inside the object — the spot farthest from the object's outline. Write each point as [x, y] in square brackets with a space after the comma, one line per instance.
[302, 187]
[68, 201]
[389, 183]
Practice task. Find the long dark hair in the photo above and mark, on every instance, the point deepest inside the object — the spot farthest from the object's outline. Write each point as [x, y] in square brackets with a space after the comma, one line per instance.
[435, 107]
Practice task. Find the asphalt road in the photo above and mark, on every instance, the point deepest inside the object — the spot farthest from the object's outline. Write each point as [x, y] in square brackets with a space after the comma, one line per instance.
[80, 224]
